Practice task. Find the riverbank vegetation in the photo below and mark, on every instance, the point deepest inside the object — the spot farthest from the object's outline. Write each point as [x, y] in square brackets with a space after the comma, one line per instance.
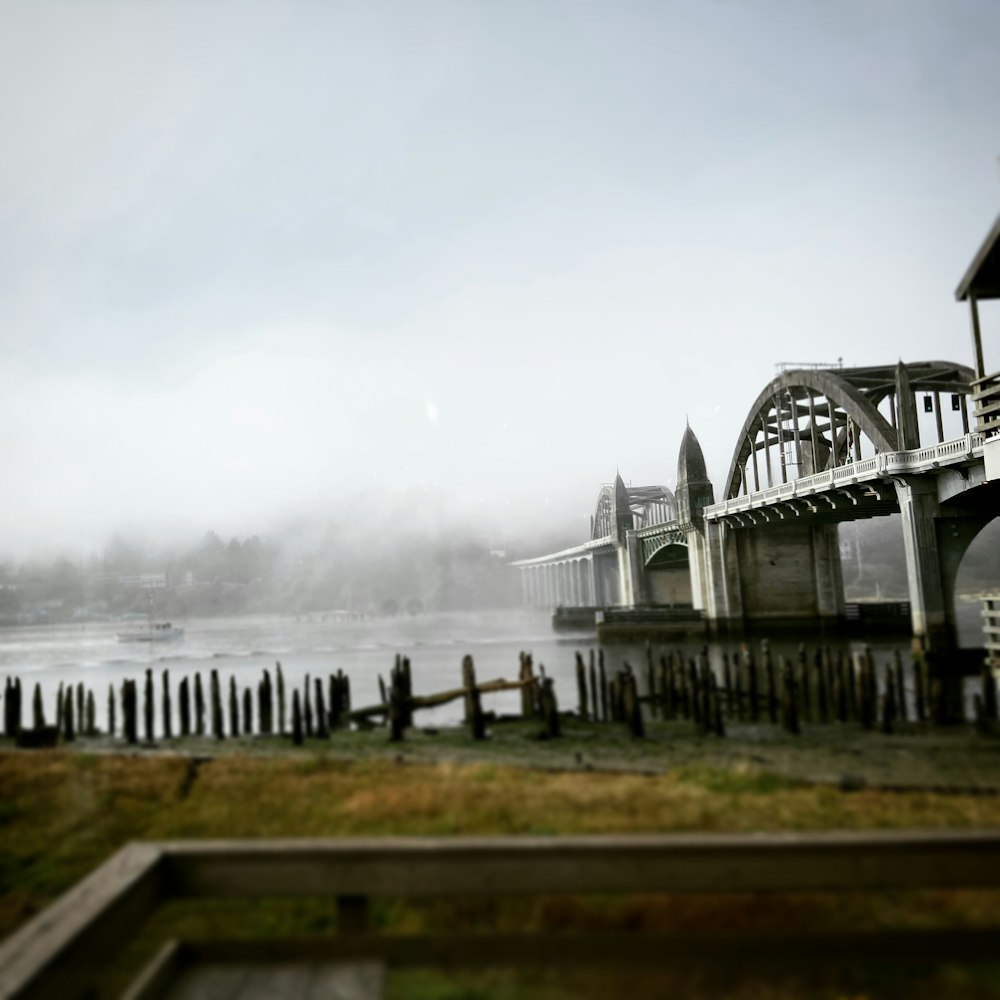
[64, 812]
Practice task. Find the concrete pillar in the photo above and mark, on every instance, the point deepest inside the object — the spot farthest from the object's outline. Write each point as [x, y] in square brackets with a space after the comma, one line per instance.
[918, 505]
[591, 581]
[827, 573]
[636, 570]
[624, 576]
[719, 573]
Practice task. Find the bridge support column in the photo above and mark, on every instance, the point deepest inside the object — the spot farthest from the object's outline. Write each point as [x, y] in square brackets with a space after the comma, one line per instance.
[723, 600]
[634, 571]
[929, 613]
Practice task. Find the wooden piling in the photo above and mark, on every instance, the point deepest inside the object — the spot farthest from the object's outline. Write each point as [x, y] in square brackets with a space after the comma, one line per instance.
[322, 721]
[247, 712]
[218, 730]
[631, 705]
[130, 711]
[989, 683]
[234, 709]
[307, 708]
[279, 683]
[111, 711]
[595, 696]
[581, 686]
[789, 698]
[889, 701]
[753, 684]
[184, 705]
[803, 686]
[550, 708]
[167, 728]
[469, 683]
[477, 721]
[605, 692]
[91, 709]
[823, 701]
[147, 707]
[769, 680]
[199, 706]
[296, 719]
[37, 709]
[654, 707]
[69, 729]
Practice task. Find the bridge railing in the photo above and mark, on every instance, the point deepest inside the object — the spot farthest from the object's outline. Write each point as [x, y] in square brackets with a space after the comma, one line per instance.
[877, 467]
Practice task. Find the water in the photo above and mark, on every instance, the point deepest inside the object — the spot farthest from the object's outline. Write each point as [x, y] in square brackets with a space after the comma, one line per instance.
[242, 647]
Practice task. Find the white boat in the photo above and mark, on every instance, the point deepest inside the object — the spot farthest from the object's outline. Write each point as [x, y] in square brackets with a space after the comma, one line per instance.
[156, 632]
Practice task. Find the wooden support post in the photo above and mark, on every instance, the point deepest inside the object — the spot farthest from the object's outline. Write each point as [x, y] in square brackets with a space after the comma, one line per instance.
[234, 709]
[184, 699]
[605, 706]
[148, 707]
[247, 712]
[297, 732]
[322, 719]
[581, 686]
[168, 731]
[307, 711]
[111, 711]
[199, 707]
[769, 679]
[218, 730]
[594, 693]
[279, 680]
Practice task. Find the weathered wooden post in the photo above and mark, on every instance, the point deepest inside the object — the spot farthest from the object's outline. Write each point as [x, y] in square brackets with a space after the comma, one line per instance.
[130, 709]
[753, 687]
[199, 706]
[111, 711]
[280, 684]
[803, 687]
[407, 692]
[853, 690]
[632, 709]
[218, 729]
[727, 681]
[595, 695]
[397, 713]
[69, 729]
[768, 661]
[322, 722]
[550, 709]
[705, 676]
[603, 681]
[91, 714]
[234, 709]
[37, 709]
[59, 708]
[889, 701]
[468, 683]
[184, 700]
[147, 707]
[265, 711]
[477, 723]
[296, 719]
[897, 663]
[654, 707]
[989, 693]
[307, 709]
[81, 709]
[719, 725]
[247, 712]
[822, 687]
[789, 701]
[167, 728]
[581, 686]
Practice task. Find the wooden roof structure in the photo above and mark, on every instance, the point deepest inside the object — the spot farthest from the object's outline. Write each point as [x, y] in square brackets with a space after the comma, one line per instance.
[982, 279]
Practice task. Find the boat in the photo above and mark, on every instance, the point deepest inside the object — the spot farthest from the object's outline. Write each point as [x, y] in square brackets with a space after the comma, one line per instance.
[157, 632]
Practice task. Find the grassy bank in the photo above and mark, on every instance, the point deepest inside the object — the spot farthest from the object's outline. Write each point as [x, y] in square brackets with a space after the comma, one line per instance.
[61, 813]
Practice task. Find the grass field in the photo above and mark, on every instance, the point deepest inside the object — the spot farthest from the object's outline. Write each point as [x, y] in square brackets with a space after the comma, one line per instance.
[62, 813]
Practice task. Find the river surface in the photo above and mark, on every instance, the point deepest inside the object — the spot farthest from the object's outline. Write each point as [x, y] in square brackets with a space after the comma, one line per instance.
[242, 647]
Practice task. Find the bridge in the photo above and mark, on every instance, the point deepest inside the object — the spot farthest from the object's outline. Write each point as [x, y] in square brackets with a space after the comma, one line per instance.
[820, 445]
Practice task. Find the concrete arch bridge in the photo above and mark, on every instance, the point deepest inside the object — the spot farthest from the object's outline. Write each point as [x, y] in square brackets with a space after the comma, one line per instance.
[819, 446]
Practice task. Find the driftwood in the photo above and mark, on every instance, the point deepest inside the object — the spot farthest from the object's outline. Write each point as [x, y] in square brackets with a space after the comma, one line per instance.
[442, 698]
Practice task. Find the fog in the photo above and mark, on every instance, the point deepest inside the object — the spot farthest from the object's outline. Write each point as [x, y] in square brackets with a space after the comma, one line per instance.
[452, 264]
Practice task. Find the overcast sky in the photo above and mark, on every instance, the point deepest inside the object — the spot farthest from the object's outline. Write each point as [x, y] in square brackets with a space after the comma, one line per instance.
[260, 257]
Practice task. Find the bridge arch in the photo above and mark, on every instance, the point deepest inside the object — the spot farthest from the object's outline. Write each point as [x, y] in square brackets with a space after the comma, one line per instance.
[848, 400]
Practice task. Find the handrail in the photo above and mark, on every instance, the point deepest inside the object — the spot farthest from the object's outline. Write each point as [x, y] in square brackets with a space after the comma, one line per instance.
[881, 466]
[57, 952]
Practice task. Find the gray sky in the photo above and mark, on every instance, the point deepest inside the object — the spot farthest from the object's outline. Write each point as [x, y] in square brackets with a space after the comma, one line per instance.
[259, 257]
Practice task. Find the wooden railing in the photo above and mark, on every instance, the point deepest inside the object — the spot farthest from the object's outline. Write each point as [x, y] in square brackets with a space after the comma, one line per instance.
[61, 951]
[991, 627]
[986, 400]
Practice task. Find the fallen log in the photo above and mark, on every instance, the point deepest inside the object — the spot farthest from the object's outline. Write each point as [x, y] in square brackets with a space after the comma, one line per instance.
[442, 698]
